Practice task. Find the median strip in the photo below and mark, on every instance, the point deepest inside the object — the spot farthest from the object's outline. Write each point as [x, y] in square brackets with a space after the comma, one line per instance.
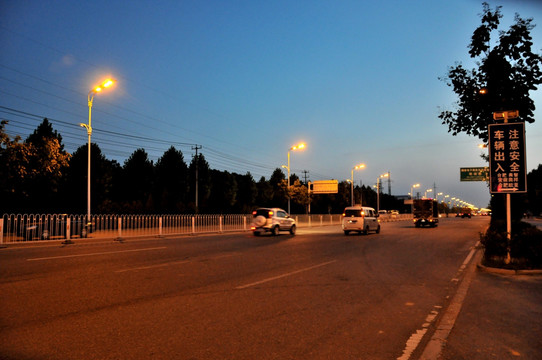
[284, 275]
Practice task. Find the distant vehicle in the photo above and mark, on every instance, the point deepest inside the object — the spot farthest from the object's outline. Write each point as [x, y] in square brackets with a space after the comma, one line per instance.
[382, 212]
[425, 212]
[394, 213]
[360, 219]
[465, 213]
[271, 220]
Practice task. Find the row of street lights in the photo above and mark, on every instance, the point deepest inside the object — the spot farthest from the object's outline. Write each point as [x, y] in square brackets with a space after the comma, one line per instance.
[110, 82]
[454, 201]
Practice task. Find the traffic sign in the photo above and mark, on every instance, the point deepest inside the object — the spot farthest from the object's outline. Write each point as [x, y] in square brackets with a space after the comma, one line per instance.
[507, 160]
[474, 174]
[506, 115]
[325, 187]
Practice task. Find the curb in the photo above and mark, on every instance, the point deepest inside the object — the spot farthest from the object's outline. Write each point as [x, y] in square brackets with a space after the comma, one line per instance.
[433, 349]
[493, 270]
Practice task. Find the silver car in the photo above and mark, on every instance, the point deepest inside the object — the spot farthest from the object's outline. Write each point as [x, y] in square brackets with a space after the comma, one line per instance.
[271, 220]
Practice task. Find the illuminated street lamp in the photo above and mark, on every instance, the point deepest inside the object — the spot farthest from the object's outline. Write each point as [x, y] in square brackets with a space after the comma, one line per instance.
[378, 191]
[357, 167]
[412, 190]
[412, 196]
[104, 85]
[296, 147]
[426, 191]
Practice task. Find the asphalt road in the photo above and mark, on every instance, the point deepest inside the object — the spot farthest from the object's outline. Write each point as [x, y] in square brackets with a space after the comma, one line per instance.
[317, 295]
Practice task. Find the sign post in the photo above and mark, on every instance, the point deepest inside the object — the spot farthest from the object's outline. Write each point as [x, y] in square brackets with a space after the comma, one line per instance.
[507, 162]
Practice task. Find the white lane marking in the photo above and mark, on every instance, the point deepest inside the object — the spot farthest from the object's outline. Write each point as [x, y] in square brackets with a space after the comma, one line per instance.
[94, 254]
[435, 345]
[452, 313]
[153, 266]
[174, 263]
[284, 275]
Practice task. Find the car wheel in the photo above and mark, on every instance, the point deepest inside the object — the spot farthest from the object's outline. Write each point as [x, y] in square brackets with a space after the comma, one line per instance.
[378, 229]
[346, 232]
[276, 230]
[292, 230]
[256, 233]
[366, 231]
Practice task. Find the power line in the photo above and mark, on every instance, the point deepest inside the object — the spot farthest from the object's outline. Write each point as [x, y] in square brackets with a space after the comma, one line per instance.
[218, 157]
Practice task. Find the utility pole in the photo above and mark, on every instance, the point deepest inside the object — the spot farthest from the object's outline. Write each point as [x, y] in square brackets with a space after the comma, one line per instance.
[305, 172]
[389, 183]
[197, 147]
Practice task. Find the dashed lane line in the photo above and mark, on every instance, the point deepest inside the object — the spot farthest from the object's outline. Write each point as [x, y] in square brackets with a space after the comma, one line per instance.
[94, 254]
[284, 275]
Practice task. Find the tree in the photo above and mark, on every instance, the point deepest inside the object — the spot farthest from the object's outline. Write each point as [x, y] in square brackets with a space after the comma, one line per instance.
[534, 192]
[264, 193]
[137, 180]
[14, 157]
[104, 174]
[199, 166]
[223, 194]
[506, 73]
[279, 195]
[300, 196]
[48, 162]
[246, 194]
[171, 182]
[31, 170]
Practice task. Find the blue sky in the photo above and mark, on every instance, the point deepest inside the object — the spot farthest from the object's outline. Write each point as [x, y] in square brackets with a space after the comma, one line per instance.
[356, 80]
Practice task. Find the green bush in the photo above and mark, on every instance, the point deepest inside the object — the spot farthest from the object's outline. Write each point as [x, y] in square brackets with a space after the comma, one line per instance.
[525, 246]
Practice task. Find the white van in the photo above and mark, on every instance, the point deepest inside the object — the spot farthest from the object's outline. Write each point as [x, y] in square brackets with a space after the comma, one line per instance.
[360, 219]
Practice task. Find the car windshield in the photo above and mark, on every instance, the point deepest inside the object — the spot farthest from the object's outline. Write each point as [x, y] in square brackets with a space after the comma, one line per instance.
[354, 213]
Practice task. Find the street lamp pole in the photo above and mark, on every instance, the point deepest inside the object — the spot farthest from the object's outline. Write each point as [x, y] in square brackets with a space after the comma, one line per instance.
[378, 191]
[360, 166]
[296, 147]
[412, 196]
[107, 83]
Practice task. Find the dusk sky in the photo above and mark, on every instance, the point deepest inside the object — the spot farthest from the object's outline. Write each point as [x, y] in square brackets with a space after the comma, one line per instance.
[357, 81]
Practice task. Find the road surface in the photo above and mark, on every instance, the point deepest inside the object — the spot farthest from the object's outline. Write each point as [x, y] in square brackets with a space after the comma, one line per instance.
[317, 295]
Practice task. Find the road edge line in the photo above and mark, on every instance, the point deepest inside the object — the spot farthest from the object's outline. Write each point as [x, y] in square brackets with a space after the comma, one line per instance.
[434, 347]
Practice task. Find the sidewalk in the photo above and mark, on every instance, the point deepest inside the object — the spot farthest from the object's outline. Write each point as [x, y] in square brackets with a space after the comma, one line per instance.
[501, 318]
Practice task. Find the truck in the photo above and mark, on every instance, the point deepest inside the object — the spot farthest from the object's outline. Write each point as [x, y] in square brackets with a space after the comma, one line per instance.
[425, 212]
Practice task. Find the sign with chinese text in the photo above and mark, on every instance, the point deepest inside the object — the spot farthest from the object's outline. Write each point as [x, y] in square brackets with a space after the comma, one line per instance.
[474, 173]
[507, 160]
[325, 187]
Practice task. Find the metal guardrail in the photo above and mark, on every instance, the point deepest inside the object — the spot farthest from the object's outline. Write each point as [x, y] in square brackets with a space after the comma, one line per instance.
[32, 227]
